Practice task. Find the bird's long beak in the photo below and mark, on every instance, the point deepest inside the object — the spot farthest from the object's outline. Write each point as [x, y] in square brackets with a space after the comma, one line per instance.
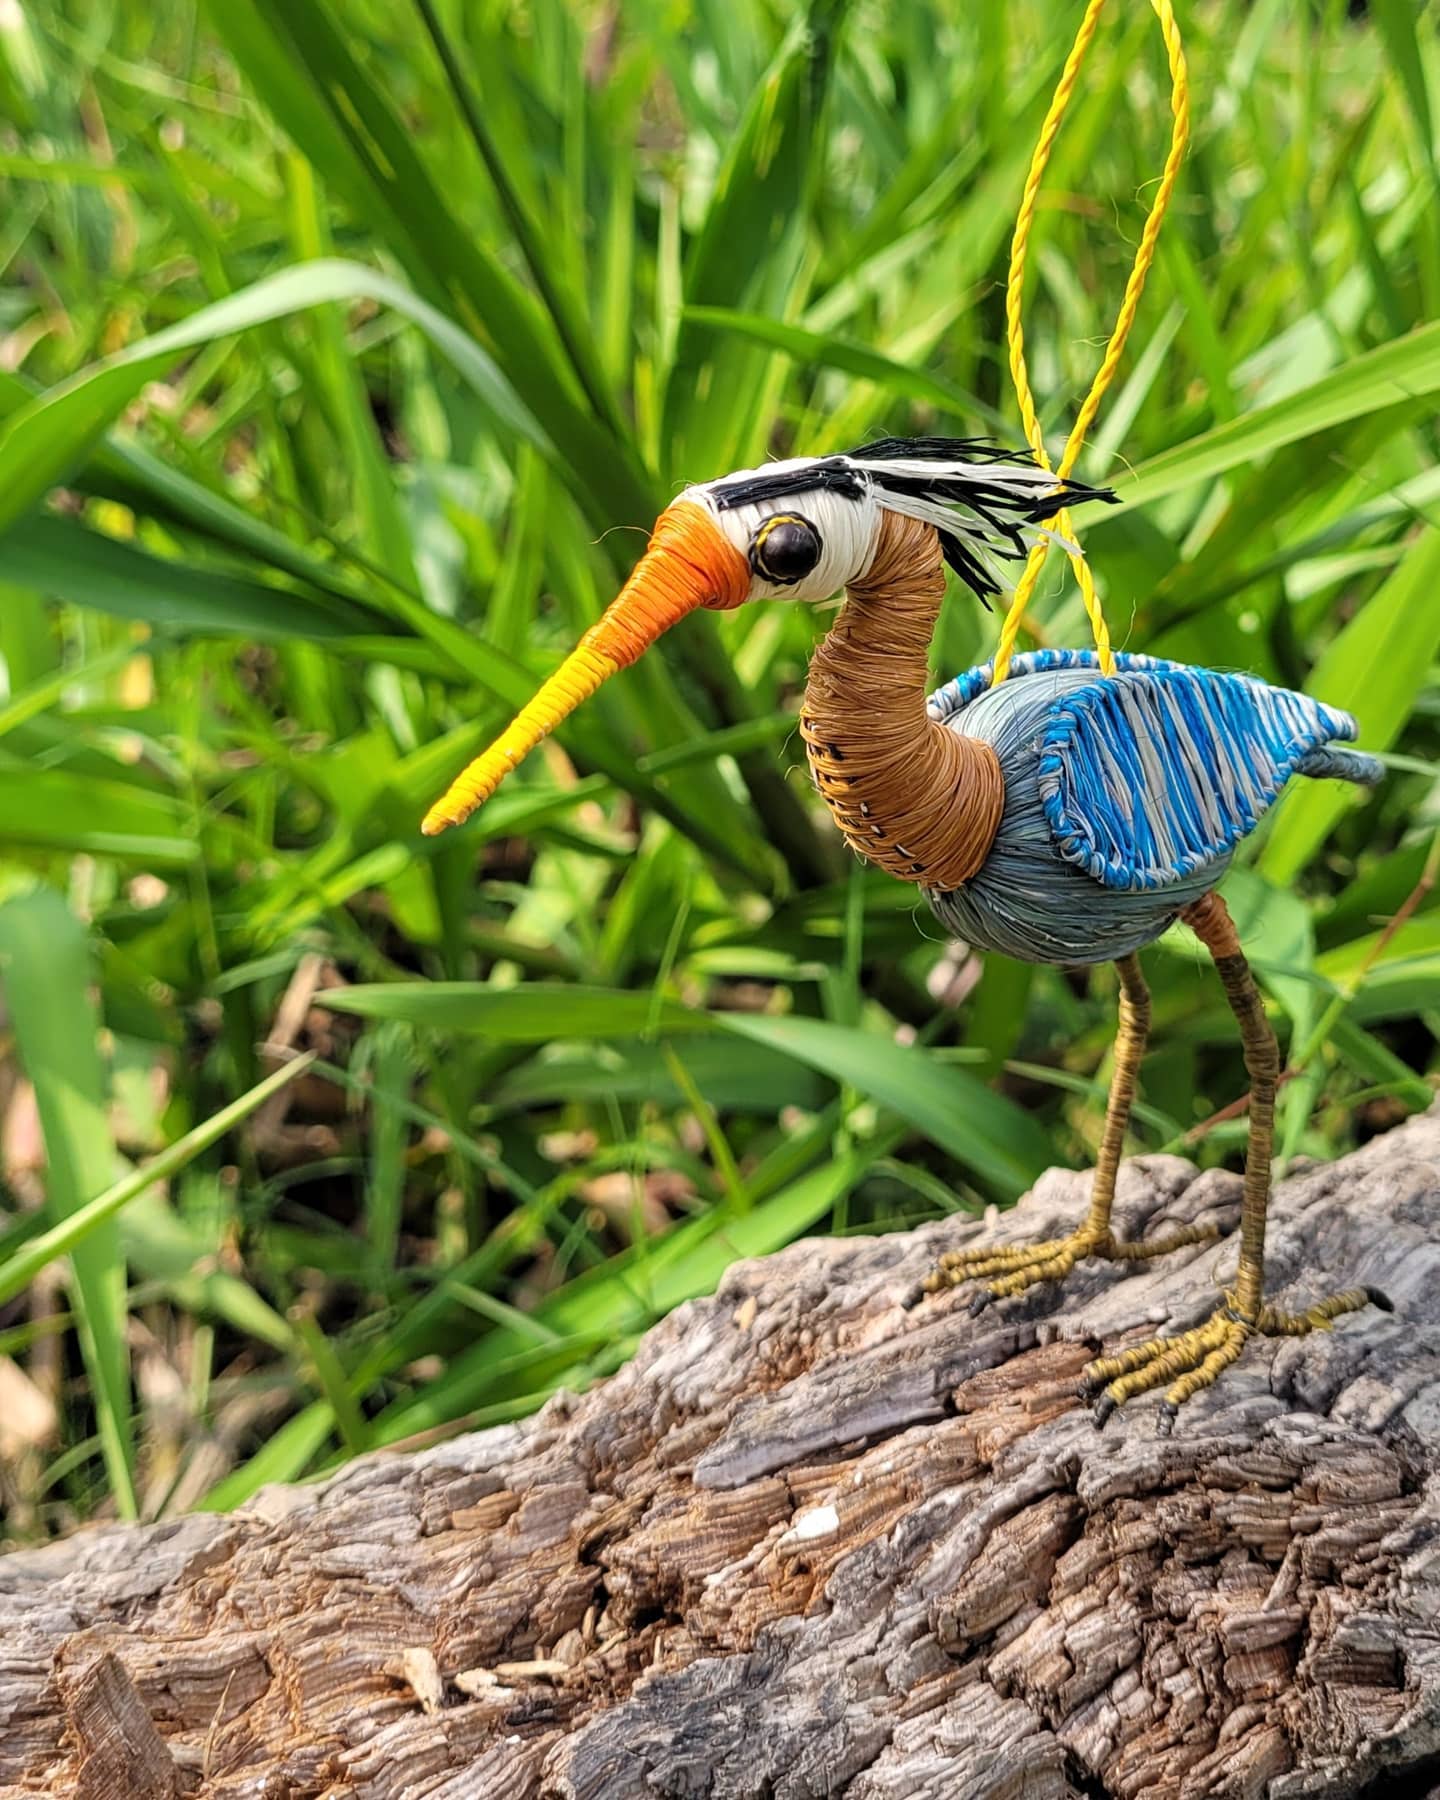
[690, 563]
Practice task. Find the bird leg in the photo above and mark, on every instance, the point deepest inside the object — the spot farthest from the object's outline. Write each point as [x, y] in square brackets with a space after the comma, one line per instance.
[1194, 1360]
[1013, 1269]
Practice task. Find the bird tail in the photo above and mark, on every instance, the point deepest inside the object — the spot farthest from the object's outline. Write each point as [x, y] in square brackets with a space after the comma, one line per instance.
[1330, 763]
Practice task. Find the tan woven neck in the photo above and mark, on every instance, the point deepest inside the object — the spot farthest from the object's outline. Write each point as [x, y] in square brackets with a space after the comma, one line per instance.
[910, 796]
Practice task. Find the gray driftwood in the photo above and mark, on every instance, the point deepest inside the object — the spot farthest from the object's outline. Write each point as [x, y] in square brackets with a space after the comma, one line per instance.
[824, 1536]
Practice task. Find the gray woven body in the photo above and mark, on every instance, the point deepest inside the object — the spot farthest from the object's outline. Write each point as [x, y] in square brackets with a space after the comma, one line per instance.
[1027, 901]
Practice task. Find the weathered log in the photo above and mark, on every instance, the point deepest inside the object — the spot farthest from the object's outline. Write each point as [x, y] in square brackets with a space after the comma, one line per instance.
[826, 1535]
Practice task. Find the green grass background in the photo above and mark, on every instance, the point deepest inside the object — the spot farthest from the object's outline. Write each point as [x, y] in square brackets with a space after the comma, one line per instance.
[346, 350]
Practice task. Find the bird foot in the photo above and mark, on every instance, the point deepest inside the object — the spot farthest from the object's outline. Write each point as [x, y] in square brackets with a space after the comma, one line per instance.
[1195, 1360]
[1016, 1267]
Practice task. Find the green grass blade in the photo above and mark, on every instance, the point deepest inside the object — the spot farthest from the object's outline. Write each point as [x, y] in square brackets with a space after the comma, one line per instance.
[330, 1378]
[392, 1074]
[40, 695]
[533, 1014]
[760, 201]
[828, 350]
[54, 809]
[285, 1456]
[96, 1216]
[1408, 369]
[42, 442]
[45, 966]
[573, 334]
[1397, 20]
[384, 530]
[985, 1133]
[65, 560]
[120, 470]
[1375, 668]
[301, 63]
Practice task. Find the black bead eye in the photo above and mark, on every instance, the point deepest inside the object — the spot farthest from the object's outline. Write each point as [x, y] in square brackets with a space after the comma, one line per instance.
[784, 549]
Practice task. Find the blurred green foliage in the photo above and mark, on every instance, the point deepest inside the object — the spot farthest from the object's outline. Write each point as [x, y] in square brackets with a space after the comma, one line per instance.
[348, 349]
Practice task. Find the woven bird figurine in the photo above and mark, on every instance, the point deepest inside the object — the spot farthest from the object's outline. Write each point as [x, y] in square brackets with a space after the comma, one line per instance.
[1058, 816]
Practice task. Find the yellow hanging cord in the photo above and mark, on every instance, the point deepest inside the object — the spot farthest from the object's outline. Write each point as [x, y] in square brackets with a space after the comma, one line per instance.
[1134, 287]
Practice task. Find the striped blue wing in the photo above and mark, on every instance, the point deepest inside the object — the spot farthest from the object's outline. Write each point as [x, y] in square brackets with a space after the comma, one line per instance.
[1148, 776]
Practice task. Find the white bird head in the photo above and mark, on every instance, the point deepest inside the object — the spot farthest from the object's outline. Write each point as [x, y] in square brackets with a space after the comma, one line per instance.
[795, 530]
[810, 526]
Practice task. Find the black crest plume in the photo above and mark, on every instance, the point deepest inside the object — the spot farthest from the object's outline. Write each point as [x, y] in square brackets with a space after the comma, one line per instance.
[983, 499]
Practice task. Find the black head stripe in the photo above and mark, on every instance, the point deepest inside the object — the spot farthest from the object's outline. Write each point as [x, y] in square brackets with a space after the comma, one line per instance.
[936, 449]
[832, 473]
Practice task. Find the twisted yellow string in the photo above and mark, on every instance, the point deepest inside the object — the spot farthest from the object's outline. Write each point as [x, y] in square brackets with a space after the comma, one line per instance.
[1134, 288]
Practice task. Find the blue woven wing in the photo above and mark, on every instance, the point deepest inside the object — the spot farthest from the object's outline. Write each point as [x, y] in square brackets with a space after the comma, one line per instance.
[1148, 776]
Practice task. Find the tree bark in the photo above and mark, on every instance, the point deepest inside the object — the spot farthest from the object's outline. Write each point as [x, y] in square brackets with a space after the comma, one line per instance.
[826, 1535]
